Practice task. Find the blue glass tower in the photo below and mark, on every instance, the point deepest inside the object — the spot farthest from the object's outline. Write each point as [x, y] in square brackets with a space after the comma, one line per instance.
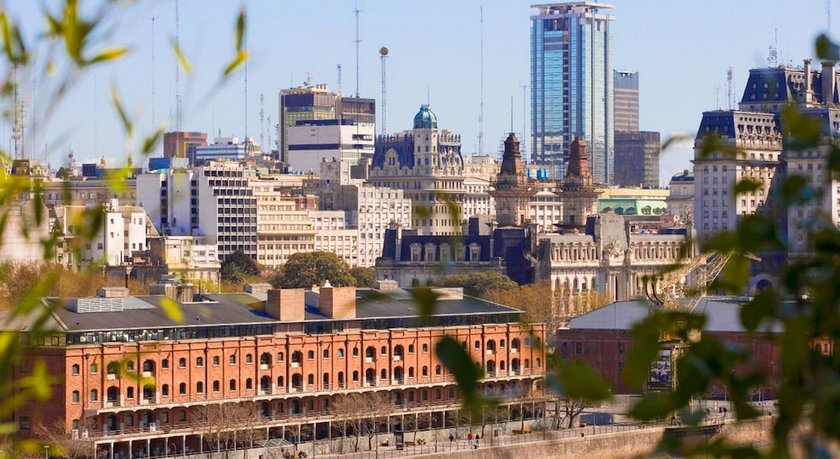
[572, 85]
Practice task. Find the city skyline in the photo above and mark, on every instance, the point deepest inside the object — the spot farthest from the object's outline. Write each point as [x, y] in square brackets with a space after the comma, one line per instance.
[682, 66]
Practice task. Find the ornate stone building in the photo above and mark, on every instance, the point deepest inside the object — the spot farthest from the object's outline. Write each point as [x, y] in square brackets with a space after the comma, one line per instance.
[425, 162]
[512, 189]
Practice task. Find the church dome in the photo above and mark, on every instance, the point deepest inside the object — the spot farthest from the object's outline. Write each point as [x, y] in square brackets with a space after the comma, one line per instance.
[425, 119]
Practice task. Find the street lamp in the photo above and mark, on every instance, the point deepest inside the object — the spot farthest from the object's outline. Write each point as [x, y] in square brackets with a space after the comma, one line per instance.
[46, 451]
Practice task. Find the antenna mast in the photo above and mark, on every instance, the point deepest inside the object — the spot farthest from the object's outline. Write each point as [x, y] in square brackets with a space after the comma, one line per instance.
[247, 143]
[481, 72]
[524, 119]
[17, 130]
[357, 11]
[153, 72]
[729, 99]
[383, 55]
[177, 71]
[338, 70]
[262, 121]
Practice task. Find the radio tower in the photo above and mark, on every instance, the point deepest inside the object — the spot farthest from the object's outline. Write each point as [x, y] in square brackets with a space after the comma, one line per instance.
[729, 99]
[177, 72]
[17, 130]
[383, 55]
[153, 72]
[262, 121]
[338, 70]
[481, 71]
[357, 11]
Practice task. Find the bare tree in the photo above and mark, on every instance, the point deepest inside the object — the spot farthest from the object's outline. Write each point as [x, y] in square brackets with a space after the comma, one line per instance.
[571, 409]
[64, 444]
[226, 425]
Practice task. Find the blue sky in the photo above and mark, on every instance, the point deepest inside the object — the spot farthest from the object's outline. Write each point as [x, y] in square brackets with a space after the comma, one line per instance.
[681, 49]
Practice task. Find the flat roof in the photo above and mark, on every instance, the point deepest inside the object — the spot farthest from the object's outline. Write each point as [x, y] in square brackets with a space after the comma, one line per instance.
[240, 309]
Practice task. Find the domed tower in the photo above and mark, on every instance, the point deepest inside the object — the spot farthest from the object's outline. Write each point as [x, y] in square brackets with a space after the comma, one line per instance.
[578, 194]
[512, 191]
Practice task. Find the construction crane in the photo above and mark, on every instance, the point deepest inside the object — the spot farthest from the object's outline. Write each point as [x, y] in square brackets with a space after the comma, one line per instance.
[681, 289]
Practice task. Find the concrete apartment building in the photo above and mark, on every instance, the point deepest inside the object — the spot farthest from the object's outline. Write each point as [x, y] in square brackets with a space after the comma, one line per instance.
[283, 224]
[317, 102]
[332, 234]
[136, 383]
[314, 141]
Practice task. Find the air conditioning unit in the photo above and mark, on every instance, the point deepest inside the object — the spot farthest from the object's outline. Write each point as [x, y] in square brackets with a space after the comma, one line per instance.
[85, 433]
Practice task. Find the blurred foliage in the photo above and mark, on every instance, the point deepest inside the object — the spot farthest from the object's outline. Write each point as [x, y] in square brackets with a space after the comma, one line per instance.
[238, 266]
[363, 277]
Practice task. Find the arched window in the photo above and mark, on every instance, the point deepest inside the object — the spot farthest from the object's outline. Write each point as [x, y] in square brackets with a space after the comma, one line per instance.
[297, 356]
[514, 345]
[199, 361]
[383, 350]
[438, 370]
[249, 359]
[232, 359]
[129, 393]
[249, 384]
[281, 382]
[265, 359]
[75, 397]
[280, 356]
[164, 390]
[94, 368]
[199, 387]
[182, 363]
[310, 355]
[398, 352]
[148, 365]
[310, 379]
[182, 389]
[74, 369]
[410, 372]
[383, 374]
[355, 376]
[232, 385]
[216, 360]
[424, 371]
[217, 386]
[370, 353]
[164, 364]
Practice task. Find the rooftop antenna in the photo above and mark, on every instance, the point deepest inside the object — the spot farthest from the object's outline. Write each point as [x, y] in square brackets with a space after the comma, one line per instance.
[383, 55]
[729, 97]
[153, 72]
[717, 96]
[511, 113]
[524, 119]
[338, 70]
[95, 115]
[177, 71]
[17, 130]
[262, 120]
[428, 95]
[356, 11]
[247, 144]
[481, 78]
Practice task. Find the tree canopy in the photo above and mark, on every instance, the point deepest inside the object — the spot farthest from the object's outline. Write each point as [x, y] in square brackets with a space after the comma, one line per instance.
[238, 266]
[479, 283]
[364, 277]
[303, 270]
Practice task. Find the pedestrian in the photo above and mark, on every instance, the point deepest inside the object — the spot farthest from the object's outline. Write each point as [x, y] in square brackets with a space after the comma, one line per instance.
[451, 438]
[470, 437]
[477, 438]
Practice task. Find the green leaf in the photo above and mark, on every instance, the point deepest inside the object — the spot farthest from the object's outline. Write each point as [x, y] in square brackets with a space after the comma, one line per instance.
[108, 55]
[796, 189]
[746, 185]
[238, 60]
[764, 305]
[644, 351]
[183, 61]
[172, 309]
[426, 300]
[654, 405]
[827, 49]
[467, 374]
[578, 381]
[115, 100]
[240, 29]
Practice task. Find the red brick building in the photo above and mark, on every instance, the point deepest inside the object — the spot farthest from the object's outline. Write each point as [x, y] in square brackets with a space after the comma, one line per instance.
[136, 382]
[602, 338]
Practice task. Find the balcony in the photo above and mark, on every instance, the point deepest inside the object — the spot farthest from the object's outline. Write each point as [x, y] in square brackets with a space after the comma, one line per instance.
[296, 388]
[265, 391]
[148, 400]
[111, 376]
[111, 403]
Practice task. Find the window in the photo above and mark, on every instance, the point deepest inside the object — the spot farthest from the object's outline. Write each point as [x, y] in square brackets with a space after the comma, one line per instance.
[310, 379]
[280, 356]
[232, 359]
[355, 352]
[425, 371]
[94, 368]
[164, 417]
[310, 355]
[164, 390]
[438, 370]
[249, 359]
[411, 349]
[74, 397]
[182, 363]
[216, 386]
[216, 360]
[340, 353]
[477, 344]
[232, 385]
[182, 389]
[182, 415]
[164, 364]
[383, 350]
[249, 384]
[25, 423]
[94, 395]
[129, 393]
[355, 376]
[199, 361]
[326, 354]
[129, 420]
[129, 366]
[425, 348]
[74, 369]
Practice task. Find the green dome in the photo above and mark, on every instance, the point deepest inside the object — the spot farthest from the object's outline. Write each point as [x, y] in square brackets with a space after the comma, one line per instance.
[425, 119]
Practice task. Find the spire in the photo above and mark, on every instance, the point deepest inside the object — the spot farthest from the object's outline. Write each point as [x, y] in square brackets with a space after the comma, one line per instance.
[511, 156]
[578, 163]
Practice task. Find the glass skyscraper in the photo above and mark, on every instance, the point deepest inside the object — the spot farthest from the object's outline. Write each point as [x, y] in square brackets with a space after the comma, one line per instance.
[572, 85]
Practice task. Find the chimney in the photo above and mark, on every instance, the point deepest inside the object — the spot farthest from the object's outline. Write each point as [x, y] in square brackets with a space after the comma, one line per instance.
[828, 83]
[808, 92]
[286, 304]
[337, 302]
[112, 292]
